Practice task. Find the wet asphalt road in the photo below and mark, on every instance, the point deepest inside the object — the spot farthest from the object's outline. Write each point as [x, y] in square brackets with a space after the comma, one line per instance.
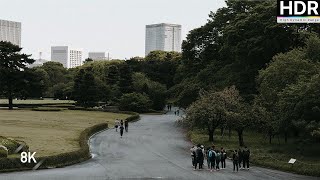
[154, 148]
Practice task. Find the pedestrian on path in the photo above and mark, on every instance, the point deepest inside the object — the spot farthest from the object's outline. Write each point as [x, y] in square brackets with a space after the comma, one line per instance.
[121, 130]
[246, 158]
[193, 155]
[235, 159]
[199, 157]
[240, 157]
[207, 157]
[223, 158]
[218, 159]
[121, 122]
[212, 159]
[116, 124]
[126, 125]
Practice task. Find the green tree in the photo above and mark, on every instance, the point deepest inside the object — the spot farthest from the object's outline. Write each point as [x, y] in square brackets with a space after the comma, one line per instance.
[125, 79]
[12, 63]
[135, 102]
[86, 89]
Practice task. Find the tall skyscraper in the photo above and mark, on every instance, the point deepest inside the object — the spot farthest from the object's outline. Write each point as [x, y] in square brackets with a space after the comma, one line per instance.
[68, 57]
[165, 37]
[10, 31]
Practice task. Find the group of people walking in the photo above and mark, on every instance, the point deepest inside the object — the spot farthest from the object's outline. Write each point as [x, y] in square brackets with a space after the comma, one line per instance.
[216, 159]
[119, 124]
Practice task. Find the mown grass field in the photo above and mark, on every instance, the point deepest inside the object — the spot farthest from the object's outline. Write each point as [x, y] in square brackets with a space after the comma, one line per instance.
[275, 155]
[50, 133]
[45, 101]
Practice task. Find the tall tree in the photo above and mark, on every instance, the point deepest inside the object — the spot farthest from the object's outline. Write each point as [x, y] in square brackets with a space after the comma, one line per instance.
[12, 63]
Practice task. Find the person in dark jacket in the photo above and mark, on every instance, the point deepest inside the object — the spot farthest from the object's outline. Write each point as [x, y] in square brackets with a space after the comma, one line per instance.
[235, 159]
[218, 159]
[246, 158]
[199, 157]
[121, 130]
[223, 158]
[240, 159]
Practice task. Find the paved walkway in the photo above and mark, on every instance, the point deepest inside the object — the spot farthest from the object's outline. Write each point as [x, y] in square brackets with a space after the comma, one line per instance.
[154, 148]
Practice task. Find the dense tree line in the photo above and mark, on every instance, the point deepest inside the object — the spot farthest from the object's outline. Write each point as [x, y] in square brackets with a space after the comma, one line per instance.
[242, 70]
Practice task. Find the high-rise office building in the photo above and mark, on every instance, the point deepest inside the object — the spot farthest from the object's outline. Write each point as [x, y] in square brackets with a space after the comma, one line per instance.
[97, 56]
[165, 37]
[68, 57]
[10, 31]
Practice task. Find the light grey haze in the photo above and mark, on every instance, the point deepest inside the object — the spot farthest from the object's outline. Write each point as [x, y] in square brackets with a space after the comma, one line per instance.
[115, 26]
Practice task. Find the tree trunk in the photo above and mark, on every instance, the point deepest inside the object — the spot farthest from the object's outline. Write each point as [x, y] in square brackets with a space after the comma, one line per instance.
[270, 138]
[10, 99]
[211, 132]
[240, 135]
[285, 137]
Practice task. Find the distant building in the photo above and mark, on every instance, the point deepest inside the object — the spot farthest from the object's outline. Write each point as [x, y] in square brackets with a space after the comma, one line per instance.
[68, 57]
[164, 37]
[10, 31]
[97, 56]
[38, 62]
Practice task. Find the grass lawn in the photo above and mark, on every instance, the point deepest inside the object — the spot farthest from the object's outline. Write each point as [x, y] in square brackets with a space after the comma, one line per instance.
[50, 133]
[31, 101]
[273, 155]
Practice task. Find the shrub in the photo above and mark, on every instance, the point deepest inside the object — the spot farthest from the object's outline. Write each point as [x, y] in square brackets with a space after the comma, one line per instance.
[3, 151]
[135, 102]
[47, 109]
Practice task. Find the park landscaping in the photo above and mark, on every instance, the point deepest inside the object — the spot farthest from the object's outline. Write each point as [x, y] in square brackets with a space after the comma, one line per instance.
[51, 133]
[275, 155]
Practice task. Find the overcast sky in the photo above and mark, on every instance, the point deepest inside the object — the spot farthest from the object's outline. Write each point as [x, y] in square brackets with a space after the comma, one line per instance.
[115, 26]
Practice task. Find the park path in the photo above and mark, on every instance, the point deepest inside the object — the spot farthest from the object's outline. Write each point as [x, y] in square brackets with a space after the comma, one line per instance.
[154, 148]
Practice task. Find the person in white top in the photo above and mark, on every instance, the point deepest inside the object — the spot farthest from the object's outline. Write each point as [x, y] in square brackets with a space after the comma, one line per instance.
[116, 124]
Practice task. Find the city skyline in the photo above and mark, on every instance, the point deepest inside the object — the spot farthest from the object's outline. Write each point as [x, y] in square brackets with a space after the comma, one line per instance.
[100, 25]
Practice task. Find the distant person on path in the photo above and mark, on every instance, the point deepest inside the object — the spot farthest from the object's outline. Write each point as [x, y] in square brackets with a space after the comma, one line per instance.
[207, 157]
[126, 125]
[240, 157]
[246, 158]
[223, 158]
[178, 111]
[193, 155]
[199, 157]
[212, 158]
[218, 159]
[235, 158]
[175, 113]
[116, 124]
[121, 130]
[121, 122]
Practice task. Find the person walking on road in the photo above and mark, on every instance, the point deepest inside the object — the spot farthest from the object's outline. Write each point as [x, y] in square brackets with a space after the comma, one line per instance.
[121, 130]
[207, 157]
[235, 158]
[218, 159]
[199, 157]
[240, 157]
[223, 158]
[121, 122]
[246, 158]
[116, 124]
[193, 155]
[126, 125]
[213, 159]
